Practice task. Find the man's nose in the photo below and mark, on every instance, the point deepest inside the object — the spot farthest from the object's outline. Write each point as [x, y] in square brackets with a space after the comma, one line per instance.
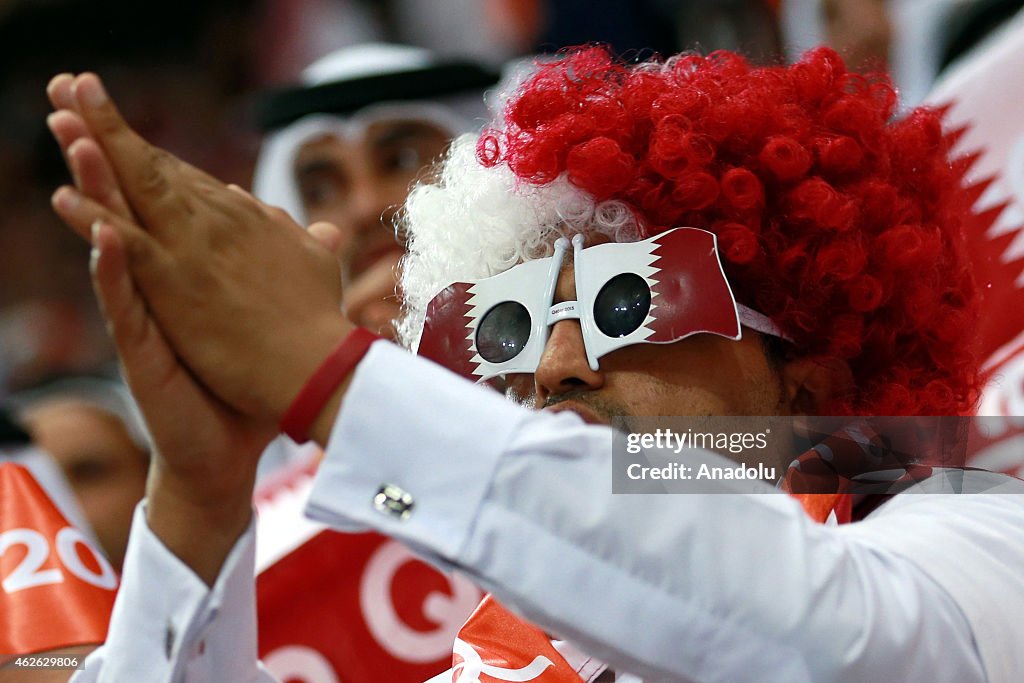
[369, 202]
[563, 366]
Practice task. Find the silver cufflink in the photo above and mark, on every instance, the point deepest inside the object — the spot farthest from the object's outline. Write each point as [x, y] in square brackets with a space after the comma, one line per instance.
[393, 500]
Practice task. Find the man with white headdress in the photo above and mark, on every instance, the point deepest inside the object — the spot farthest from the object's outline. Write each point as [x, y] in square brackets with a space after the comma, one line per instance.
[92, 429]
[346, 145]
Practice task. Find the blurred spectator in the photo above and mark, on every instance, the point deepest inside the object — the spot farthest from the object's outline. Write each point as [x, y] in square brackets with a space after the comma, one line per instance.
[912, 39]
[15, 612]
[801, 26]
[339, 152]
[494, 31]
[747, 26]
[182, 69]
[46, 335]
[642, 26]
[349, 142]
[92, 429]
[861, 30]
[345, 146]
[298, 32]
[16, 446]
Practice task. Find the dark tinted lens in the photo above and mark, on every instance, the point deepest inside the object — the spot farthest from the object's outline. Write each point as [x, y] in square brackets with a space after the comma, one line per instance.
[503, 332]
[622, 305]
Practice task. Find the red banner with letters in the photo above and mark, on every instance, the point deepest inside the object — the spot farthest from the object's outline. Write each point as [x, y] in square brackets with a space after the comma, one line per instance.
[56, 589]
[497, 646]
[347, 607]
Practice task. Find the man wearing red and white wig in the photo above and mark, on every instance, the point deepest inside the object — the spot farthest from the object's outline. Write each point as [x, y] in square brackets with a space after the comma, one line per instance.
[693, 236]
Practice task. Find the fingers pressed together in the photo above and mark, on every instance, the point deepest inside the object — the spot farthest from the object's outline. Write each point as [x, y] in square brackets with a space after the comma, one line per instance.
[97, 195]
[207, 265]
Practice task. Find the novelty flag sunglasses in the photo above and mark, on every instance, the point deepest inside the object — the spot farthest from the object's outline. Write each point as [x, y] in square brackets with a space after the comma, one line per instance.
[657, 291]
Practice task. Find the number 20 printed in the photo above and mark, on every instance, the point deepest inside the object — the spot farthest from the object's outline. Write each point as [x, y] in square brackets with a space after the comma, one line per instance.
[28, 573]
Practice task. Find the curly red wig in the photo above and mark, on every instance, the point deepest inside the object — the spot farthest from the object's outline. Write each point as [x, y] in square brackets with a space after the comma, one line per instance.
[839, 224]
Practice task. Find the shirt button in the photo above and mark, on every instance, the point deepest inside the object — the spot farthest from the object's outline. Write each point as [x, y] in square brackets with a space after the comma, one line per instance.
[394, 501]
[169, 636]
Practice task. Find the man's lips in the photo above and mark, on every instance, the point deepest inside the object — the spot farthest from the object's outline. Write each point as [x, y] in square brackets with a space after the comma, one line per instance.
[588, 415]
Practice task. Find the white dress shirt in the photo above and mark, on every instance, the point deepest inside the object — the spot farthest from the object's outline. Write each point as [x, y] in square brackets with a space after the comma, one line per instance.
[688, 587]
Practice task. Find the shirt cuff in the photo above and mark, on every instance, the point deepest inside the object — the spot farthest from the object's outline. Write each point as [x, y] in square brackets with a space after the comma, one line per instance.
[387, 478]
[163, 612]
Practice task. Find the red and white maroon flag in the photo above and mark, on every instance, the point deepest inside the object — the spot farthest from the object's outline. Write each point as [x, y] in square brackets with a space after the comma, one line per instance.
[56, 589]
[980, 99]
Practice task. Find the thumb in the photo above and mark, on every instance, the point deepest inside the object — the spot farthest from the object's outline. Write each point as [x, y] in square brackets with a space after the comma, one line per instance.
[326, 234]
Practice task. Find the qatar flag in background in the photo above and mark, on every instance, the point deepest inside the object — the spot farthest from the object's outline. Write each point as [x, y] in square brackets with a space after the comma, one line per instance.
[980, 97]
[56, 589]
[337, 607]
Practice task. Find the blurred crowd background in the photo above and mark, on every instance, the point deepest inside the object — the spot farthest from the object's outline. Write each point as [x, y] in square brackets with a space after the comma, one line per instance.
[187, 75]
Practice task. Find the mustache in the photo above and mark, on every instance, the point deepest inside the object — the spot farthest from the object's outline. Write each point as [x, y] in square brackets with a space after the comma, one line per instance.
[603, 407]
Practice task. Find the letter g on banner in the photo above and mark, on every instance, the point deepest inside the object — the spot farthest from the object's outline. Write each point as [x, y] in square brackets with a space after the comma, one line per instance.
[388, 628]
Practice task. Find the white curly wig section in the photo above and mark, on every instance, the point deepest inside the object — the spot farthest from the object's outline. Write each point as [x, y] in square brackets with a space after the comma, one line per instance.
[475, 221]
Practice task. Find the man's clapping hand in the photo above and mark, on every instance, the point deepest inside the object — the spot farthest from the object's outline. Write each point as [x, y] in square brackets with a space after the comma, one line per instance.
[220, 307]
[247, 298]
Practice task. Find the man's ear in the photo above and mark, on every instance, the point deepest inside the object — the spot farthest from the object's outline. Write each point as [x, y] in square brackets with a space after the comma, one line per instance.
[811, 382]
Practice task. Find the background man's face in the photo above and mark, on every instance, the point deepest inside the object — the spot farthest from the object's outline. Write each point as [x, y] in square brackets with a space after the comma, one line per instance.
[701, 375]
[861, 30]
[359, 184]
[104, 467]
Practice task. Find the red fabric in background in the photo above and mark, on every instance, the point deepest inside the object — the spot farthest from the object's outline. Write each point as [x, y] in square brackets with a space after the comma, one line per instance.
[496, 645]
[348, 607]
